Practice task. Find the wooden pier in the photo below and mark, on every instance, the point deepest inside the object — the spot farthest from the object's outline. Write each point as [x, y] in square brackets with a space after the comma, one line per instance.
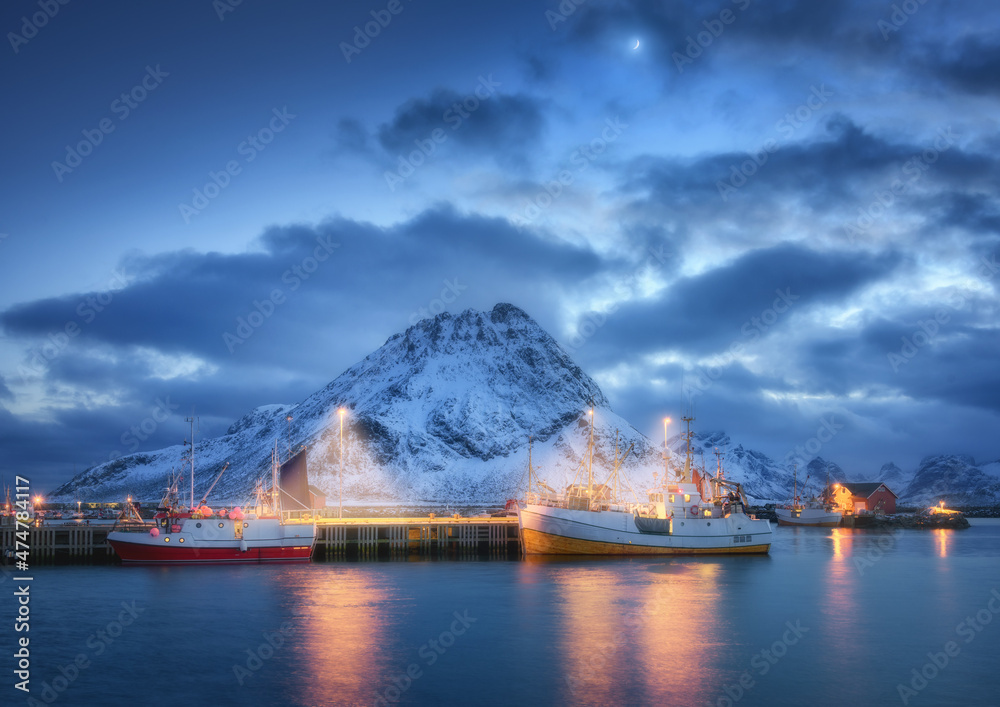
[383, 537]
[59, 543]
[349, 538]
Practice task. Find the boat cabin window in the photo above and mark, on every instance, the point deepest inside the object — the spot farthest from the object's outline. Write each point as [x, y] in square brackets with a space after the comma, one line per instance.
[671, 498]
[687, 497]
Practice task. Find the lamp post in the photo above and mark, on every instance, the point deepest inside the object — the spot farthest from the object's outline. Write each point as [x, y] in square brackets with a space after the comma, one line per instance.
[341, 413]
[666, 459]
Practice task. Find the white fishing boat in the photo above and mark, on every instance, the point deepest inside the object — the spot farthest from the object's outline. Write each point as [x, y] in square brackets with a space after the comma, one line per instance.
[689, 516]
[816, 513]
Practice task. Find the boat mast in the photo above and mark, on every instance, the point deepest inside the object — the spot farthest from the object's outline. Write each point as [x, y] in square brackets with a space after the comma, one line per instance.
[614, 486]
[191, 420]
[689, 458]
[718, 473]
[795, 485]
[529, 466]
[275, 491]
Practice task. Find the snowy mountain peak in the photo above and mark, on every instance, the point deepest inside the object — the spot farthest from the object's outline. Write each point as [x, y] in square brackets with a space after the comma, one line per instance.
[442, 411]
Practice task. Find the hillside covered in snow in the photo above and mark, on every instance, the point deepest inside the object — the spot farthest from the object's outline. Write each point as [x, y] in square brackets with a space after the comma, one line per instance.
[442, 414]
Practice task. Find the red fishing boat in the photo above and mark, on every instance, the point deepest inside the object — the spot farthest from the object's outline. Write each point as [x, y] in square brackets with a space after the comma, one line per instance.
[194, 533]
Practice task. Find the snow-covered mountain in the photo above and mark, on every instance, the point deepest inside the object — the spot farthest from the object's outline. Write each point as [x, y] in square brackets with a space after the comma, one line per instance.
[893, 477]
[442, 413]
[955, 478]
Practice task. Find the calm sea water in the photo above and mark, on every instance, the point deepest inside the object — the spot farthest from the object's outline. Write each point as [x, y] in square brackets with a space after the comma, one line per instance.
[831, 617]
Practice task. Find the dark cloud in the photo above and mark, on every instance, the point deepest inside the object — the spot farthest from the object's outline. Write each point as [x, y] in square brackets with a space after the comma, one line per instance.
[505, 126]
[971, 63]
[5, 393]
[747, 300]
[237, 312]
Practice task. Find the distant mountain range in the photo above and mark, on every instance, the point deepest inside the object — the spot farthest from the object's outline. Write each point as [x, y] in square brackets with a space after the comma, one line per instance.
[442, 413]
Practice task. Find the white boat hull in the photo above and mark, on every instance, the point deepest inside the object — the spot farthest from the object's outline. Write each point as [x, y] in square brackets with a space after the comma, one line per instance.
[547, 530]
[810, 517]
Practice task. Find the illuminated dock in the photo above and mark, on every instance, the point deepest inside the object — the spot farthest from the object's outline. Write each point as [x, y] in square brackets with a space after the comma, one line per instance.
[348, 538]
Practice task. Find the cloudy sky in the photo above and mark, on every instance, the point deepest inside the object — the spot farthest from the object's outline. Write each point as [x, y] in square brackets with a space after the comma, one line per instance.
[782, 215]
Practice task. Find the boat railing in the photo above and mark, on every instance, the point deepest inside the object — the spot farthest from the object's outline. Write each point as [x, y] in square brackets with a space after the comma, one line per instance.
[133, 526]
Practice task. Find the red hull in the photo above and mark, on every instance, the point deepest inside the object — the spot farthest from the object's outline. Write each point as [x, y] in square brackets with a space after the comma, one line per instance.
[145, 554]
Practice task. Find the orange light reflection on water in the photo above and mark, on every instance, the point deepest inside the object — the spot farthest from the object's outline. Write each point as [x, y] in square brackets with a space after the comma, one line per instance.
[656, 639]
[679, 633]
[943, 536]
[340, 633]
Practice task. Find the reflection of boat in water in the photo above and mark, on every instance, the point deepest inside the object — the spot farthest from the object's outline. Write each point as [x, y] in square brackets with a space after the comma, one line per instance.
[817, 513]
[679, 518]
[196, 534]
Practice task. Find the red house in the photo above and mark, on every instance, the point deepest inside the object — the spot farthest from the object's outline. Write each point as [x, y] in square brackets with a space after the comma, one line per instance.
[873, 497]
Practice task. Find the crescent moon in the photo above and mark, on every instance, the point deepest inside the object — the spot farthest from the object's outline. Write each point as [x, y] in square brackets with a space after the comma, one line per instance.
[636, 45]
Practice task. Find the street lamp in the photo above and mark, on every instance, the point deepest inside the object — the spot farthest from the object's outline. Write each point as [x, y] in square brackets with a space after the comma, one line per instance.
[341, 412]
[666, 459]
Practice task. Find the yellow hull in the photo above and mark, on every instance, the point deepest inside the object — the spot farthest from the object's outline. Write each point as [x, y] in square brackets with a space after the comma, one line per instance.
[539, 543]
